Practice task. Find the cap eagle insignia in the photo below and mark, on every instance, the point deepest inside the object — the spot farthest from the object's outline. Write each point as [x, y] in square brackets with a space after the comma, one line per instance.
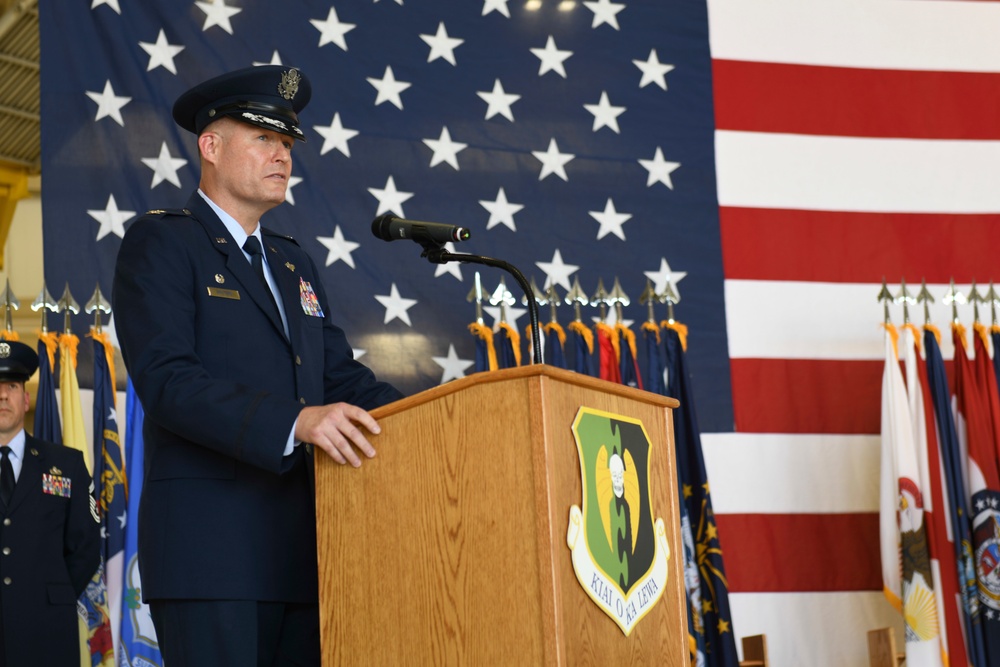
[289, 85]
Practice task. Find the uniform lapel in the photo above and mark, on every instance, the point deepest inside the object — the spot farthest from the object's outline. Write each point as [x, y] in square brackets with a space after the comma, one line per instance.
[286, 278]
[30, 479]
[236, 262]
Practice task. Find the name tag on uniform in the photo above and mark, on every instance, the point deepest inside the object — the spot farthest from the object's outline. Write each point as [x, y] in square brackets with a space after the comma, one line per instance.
[310, 304]
[224, 293]
[56, 485]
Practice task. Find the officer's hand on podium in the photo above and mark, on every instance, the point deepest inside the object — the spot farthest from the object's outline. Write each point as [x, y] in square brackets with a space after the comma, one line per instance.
[335, 429]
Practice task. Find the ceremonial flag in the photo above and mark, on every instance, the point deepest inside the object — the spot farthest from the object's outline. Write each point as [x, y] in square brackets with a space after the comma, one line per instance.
[654, 358]
[629, 365]
[716, 620]
[508, 346]
[555, 341]
[937, 512]
[47, 424]
[137, 645]
[906, 566]
[953, 461]
[975, 432]
[109, 475]
[985, 502]
[95, 631]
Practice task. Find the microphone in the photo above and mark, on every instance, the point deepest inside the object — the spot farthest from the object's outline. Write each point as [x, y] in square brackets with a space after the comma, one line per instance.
[390, 228]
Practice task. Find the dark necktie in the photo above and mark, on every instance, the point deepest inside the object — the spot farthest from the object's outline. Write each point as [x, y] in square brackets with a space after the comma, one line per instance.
[6, 476]
[252, 248]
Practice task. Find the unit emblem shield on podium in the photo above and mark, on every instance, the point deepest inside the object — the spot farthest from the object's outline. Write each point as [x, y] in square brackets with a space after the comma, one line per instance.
[620, 552]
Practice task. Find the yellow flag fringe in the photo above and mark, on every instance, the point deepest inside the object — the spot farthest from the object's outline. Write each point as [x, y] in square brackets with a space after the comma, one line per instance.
[916, 337]
[609, 333]
[651, 326]
[681, 329]
[934, 330]
[628, 335]
[51, 341]
[484, 333]
[559, 331]
[584, 332]
[894, 335]
[515, 341]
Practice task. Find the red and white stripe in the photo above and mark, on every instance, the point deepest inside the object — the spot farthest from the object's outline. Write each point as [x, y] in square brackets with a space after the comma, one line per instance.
[856, 140]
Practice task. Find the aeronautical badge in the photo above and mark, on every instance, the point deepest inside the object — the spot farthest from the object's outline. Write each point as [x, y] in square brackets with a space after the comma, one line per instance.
[56, 485]
[307, 297]
[620, 553]
[986, 538]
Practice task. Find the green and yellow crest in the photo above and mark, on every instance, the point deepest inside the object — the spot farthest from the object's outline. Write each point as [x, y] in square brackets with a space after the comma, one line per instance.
[619, 550]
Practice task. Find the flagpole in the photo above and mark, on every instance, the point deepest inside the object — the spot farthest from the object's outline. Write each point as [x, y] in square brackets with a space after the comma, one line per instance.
[438, 255]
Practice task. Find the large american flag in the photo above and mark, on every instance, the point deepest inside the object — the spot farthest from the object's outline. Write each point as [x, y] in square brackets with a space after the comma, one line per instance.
[775, 159]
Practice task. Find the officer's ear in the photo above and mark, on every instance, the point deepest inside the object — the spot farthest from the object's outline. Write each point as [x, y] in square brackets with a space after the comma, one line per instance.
[209, 143]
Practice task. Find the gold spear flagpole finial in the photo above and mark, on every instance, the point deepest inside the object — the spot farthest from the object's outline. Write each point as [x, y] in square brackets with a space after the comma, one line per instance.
[648, 298]
[97, 305]
[69, 306]
[10, 304]
[975, 298]
[955, 298]
[476, 294]
[993, 298]
[619, 298]
[670, 296]
[576, 297]
[925, 297]
[502, 297]
[601, 300]
[904, 297]
[45, 302]
[553, 299]
[885, 296]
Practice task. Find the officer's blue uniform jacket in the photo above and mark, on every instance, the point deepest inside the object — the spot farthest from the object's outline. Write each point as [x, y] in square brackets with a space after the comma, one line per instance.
[50, 547]
[223, 514]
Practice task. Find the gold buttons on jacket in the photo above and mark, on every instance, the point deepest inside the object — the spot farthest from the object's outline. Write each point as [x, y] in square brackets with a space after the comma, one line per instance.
[298, 360]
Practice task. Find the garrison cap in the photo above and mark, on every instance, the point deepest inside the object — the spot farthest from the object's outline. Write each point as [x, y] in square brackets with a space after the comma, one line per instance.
[269, 96]
[17, 361]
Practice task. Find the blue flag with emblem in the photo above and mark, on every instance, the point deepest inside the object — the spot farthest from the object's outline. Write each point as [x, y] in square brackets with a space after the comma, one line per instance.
[48, 426]
[109, 478]
[137, 646]
[716, 621]
[953, 462]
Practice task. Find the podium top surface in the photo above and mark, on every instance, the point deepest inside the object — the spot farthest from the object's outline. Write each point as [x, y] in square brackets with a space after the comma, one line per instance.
[523, 372]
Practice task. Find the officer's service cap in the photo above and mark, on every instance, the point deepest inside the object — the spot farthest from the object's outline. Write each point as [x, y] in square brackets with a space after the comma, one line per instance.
[17, 361]
[269, 96]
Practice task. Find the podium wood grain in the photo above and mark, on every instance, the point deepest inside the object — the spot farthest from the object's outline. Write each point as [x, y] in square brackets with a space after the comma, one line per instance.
[449, 547]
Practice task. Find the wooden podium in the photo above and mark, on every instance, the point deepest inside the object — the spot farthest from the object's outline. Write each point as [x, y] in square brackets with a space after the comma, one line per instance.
[450, 546]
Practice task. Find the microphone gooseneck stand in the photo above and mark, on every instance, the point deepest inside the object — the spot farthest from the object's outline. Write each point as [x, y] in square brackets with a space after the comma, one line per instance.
[435, 253]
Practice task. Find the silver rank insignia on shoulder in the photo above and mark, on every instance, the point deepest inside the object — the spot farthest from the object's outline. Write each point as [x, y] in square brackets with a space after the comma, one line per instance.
[289, 85]
[219, 278]
[156, 211]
